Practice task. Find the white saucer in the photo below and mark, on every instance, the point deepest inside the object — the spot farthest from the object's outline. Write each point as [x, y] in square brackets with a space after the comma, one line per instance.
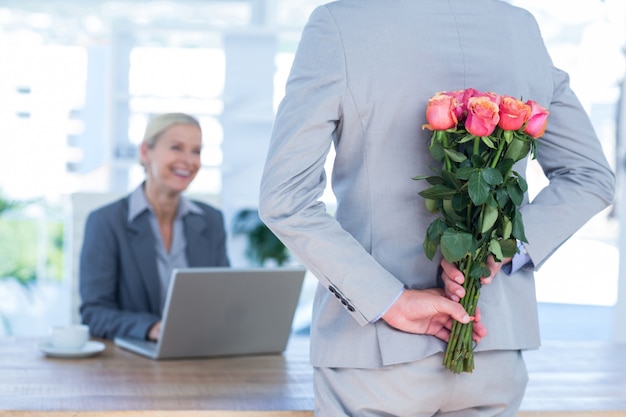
[91, 348]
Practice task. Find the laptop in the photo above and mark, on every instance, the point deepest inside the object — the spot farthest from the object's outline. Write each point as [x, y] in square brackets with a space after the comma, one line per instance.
[211, 312]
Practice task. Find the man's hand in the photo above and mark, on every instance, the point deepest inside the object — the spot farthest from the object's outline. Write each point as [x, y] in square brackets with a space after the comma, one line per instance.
[430, 312]
[453, 279]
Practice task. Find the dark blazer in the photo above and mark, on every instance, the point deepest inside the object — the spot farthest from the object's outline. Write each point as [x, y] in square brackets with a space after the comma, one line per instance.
[119, 281]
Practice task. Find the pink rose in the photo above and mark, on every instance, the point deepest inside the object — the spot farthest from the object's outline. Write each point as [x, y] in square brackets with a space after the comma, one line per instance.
[472, 92]
[440, 112]
[482, 116]
[496, 98]
[469, 93]
[513, 113]
[459, 110]
[537, 121]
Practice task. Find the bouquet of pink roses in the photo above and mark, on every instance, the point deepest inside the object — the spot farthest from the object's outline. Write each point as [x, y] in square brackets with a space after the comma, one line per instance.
[478, 137]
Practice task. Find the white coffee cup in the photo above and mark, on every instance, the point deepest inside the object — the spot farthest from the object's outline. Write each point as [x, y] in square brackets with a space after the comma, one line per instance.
[73, 337]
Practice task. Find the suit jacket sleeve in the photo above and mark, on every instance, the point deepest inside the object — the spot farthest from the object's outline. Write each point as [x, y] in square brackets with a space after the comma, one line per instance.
[308, 119]
[107, 271]
[581, 182]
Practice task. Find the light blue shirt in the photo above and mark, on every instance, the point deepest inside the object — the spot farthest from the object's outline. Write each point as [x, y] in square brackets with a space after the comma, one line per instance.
[176, 257]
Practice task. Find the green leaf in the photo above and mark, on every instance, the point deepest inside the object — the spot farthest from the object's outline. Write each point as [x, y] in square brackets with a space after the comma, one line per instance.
[431, 205]
[430, 248]
[479, 270]
[502, 196]
[433, 237]
[478, 188]
[508, 136]
[450, 212]
[431, 179]
[523, 185]
[478, 161]
[508, 247]
[461, 226]
[518, 226]
[436, 151]
[515, 193]
[460, 202]
[465, 172]
[517, 149]
[492, 176]
[436, 229]
[456, 156]
[455, 245]
[489, 215]
[438, 192]
[434, 180]
[450, 179]
[506, 227]
[496, 250]
[467, 138]
[487, 141]
[505, 166]
[465, 164]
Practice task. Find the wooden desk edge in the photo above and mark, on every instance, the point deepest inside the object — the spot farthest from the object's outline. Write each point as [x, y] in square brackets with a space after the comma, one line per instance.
[157, 413]
[275, 413]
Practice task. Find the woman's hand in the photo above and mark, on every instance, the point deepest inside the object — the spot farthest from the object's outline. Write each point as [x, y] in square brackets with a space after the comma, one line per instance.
[155, 331]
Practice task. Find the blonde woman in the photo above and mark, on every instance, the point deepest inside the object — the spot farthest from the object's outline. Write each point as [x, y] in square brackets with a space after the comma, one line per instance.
[132, 245]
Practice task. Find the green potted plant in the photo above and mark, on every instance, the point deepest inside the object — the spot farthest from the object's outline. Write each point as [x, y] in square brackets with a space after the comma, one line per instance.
[21, 250]
[262, 244]
[7, 205]
[13, 266]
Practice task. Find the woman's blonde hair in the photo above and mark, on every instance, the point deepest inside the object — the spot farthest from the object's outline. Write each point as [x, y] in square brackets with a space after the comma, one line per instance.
[162, 122]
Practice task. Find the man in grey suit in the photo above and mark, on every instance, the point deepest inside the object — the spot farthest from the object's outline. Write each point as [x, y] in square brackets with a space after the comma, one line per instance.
[360, 81]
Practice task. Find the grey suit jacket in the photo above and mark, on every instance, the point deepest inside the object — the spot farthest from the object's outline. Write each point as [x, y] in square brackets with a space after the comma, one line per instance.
[361, 79]
[119, 282]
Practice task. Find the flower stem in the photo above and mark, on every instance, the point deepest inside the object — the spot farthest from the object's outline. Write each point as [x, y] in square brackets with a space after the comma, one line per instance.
[496, 158]
[446, 158]
[459, 355]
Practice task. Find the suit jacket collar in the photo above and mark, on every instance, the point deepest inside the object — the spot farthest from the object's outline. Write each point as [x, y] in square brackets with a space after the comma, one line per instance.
[196, 231]
[142, 244]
